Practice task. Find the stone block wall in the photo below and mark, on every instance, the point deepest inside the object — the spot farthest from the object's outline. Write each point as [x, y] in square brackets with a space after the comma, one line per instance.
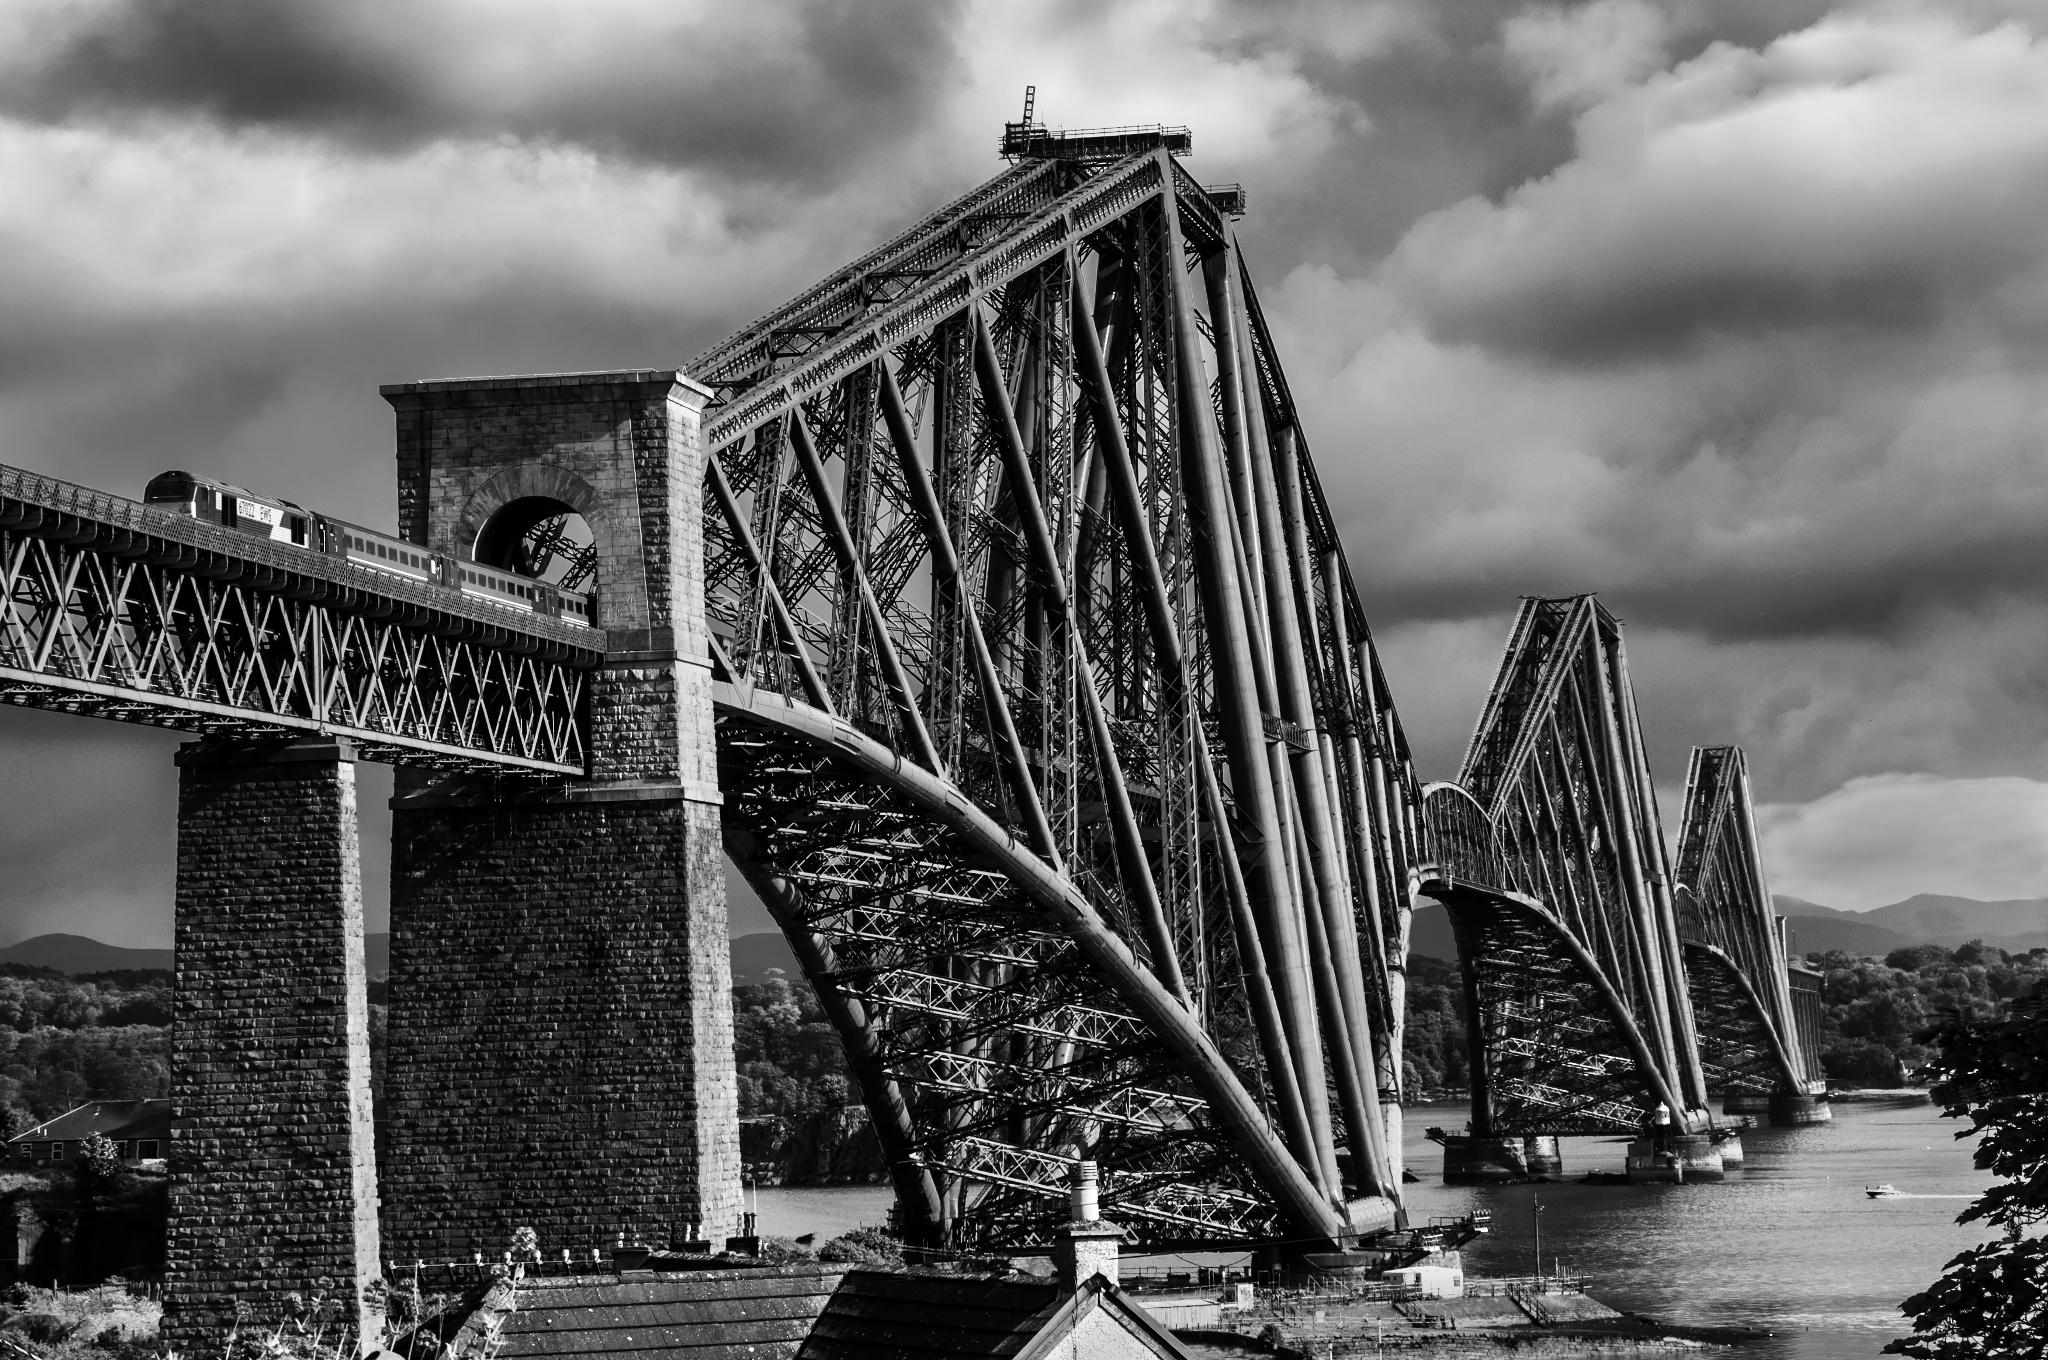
[561, 1023]
[272, 1164]
[553, 1063]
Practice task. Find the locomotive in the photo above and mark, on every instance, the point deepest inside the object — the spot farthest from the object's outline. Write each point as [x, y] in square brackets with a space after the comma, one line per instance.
[281, 521]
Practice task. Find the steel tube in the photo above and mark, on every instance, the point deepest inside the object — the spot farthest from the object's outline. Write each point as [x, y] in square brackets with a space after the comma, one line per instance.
[1171, 661]
[842, 542]
[1132, 861]
[1304, 1209]
[1326, 896]
[1237, 695]
[946, 565]
[1685, 1032]
[888, 1111]
[1657, 994]
[743, 534]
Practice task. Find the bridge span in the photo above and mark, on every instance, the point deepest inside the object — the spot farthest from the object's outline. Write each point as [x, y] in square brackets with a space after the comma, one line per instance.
[984, 606]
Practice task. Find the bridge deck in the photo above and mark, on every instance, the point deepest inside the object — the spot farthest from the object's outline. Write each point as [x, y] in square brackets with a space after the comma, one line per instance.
[114, 609]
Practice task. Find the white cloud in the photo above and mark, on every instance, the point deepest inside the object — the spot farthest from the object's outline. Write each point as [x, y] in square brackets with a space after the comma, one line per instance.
[1573, 57]
[1884, 838]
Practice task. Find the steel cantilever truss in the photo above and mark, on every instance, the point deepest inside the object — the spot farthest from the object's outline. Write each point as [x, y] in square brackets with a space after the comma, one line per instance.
[1050, 723]
[116, 610]
[1549, 853]
[1750, 1031]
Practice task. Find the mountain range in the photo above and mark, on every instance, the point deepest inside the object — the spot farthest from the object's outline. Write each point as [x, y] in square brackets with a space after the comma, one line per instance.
[2015, 926]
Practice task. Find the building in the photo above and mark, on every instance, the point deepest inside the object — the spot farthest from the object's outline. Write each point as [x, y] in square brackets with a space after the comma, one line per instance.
[141, 1129]
[822, 1312]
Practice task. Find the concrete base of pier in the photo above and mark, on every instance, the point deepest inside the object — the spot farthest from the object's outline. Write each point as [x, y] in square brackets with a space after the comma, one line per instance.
[1730, 1146]
[1471, 1160]
[1796, 1111]
[1541, 1155]
[1746, 1102]
[1674, 1158]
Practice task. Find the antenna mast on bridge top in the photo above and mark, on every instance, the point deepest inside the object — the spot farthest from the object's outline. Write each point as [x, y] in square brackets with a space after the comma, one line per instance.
[1026, 140]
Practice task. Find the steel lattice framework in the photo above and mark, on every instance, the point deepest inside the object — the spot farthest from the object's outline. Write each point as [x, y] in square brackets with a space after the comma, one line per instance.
[1549, 853]
[117, 610]
[1750, 1038]
[1049, 722]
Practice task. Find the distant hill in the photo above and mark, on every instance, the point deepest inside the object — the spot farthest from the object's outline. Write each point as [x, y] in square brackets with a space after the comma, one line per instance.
[1927, 919]
[77, 954]
[1841, 930]
[754, 955]
[2017, 925]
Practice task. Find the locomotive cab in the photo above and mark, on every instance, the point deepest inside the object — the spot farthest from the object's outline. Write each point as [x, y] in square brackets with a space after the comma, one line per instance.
[231, 507]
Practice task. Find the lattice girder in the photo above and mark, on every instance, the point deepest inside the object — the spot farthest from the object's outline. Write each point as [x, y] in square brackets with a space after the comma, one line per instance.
[966, 499]
[1035, 1049]
[115, 610]
[1560, 1052]
[1554, 804]
[1737, 968]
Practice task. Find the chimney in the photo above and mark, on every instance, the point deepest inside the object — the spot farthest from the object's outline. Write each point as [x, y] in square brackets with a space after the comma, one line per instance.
[1087, 1246]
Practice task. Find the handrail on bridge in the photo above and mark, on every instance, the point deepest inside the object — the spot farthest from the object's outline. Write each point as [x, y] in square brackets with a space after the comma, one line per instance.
[119, 512]
[1457, 834]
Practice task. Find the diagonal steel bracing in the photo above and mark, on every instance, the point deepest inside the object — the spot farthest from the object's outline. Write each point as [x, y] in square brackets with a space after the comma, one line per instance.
[112, 609]
[1550, 855]
[1735, 955]
[1050, 723]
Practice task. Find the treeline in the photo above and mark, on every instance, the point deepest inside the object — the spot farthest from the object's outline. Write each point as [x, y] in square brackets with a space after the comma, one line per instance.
[106, 1036]
[786, 1053]
[1875, 1015]
[67, 1040]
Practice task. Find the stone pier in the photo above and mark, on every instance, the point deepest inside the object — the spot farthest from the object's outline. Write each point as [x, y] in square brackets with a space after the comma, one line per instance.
[561, 1023]
[273, 1174]
[1470, 1159]
[1789, 1110]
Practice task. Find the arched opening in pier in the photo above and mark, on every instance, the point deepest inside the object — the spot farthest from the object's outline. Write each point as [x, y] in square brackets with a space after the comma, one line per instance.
[542, 538]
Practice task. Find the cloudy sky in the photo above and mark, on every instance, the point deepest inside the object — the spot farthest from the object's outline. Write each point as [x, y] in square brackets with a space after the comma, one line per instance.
[1735, 311]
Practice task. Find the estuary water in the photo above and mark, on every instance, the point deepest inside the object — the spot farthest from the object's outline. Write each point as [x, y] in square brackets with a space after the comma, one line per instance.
[1789, 1242]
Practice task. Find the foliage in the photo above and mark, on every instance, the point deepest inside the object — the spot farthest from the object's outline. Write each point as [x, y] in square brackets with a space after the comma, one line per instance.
[88, 1324]
[788, 1056]
[782, 1251]
[1992, 1301]
[863, 1247]
[44, 999]
[1433, 1054]
[49, 1070]
[99, 1163]
[1876, 1017]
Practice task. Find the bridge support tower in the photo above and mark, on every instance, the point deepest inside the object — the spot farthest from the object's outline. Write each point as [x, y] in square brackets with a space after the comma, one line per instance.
[273, 1172]
[561, 1022]
[1480, 1159]
[1791, 1110]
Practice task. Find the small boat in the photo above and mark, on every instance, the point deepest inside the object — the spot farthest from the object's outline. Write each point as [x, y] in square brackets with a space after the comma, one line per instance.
[1884, 1191]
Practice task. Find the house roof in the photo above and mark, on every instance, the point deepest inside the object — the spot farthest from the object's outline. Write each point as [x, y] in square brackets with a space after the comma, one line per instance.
[812, 1312]
[877, 1314]
[762, 1313]
[115, 1118]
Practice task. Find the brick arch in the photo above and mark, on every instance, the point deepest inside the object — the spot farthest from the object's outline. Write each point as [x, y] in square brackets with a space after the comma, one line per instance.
[529, 480]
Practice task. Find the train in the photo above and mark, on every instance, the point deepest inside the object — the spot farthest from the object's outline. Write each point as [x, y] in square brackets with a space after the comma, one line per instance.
[282, 521]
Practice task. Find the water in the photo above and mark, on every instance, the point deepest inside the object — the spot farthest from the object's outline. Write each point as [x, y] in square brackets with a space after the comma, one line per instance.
[1789, 1242]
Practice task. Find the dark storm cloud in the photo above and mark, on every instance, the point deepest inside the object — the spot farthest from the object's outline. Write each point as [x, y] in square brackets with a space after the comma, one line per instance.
[1763, 358]
[1737, 318]
[800, 92]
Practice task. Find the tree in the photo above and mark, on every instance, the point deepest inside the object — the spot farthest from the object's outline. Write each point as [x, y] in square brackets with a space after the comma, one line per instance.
[99, 1163]
[1992, 1300]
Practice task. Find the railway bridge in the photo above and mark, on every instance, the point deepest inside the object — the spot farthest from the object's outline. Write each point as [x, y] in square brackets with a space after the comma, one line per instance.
[984, 607]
